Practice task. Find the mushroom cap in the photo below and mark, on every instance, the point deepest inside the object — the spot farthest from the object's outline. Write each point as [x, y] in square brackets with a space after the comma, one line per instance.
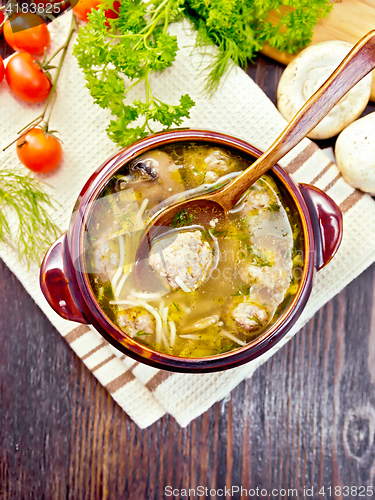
[306, 73]
[355, 153]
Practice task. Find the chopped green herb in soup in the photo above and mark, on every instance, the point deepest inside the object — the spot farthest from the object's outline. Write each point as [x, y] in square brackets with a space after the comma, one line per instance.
[220, 287]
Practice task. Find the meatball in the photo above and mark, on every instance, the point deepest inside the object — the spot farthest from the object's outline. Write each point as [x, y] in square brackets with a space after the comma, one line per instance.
[276, 275]
[217, 162]
[257, 199]
[185, 262]
[210, 177]
[275, 279]
[265, 275]
[106, 261]
[249, 316]
[142, 323]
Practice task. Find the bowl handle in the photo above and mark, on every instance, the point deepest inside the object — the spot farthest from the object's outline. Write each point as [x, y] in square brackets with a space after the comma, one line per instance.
[326, 218]
[56, 284]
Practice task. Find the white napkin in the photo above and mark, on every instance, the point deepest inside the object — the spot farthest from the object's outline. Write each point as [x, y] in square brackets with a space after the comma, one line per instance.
[239, 108]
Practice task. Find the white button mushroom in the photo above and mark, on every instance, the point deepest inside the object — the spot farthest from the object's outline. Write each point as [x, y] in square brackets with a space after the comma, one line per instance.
[306, 73]
[355, 153]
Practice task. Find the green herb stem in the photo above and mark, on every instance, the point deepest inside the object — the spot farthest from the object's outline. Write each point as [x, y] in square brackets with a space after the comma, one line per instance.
[254, 318]
[142, 332]
[182, 218]
[52, 95]
[137, 45]
[55, 53]
[33, 123]
[64, 48]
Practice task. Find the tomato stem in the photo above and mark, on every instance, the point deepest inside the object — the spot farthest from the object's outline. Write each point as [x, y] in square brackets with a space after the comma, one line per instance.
[64, 48]
[4, 21]
[45, 63]
[50, 102]
[33, 123]
[46, 122]
[53, 55]
[22, 132]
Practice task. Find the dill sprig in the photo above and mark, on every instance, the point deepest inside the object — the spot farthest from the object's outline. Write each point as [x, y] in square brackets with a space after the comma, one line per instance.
[225, 348]
[257, 258]
[273, 207]
[182, 218]
[215, 232]
[254, 318]
[24, 195]
[142, 332]
[242, 291]
[240, 28]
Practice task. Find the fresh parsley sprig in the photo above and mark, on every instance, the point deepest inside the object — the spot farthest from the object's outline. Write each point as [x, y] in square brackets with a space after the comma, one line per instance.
[119, 54]
[118, 58]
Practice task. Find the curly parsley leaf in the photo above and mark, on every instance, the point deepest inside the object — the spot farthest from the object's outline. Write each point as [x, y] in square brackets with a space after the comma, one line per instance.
[118, 54]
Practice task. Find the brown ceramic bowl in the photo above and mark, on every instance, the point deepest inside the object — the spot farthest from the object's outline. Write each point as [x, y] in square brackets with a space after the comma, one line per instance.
[66, 286]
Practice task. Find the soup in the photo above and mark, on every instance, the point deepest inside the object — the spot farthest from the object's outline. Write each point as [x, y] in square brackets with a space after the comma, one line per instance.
[218, 288]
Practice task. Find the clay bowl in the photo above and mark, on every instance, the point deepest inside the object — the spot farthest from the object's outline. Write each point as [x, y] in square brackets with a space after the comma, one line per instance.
[65, 283]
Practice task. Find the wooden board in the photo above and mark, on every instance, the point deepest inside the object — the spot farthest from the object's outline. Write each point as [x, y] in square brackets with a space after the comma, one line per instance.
[349, 21]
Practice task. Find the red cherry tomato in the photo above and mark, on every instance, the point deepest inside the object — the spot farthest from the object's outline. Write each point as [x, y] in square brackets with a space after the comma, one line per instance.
[1, 20]
[2, 69]
[83, 7]
[26, 79]
[38, 151]
[113, 13]
[27, 32]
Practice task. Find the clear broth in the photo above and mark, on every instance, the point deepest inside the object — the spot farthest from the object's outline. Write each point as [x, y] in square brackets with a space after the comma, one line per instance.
[260, 253]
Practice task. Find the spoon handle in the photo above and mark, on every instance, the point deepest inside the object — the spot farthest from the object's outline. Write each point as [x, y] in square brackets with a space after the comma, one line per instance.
[356, 65]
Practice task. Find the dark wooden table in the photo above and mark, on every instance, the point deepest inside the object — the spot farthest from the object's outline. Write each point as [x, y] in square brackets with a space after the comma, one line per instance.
[305, 419]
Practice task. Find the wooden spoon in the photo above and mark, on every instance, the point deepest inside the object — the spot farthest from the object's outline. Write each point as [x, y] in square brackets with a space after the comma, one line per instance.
[358, 63]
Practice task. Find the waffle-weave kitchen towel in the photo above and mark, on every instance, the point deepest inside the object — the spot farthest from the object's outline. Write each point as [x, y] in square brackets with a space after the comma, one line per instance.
[239, 108]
